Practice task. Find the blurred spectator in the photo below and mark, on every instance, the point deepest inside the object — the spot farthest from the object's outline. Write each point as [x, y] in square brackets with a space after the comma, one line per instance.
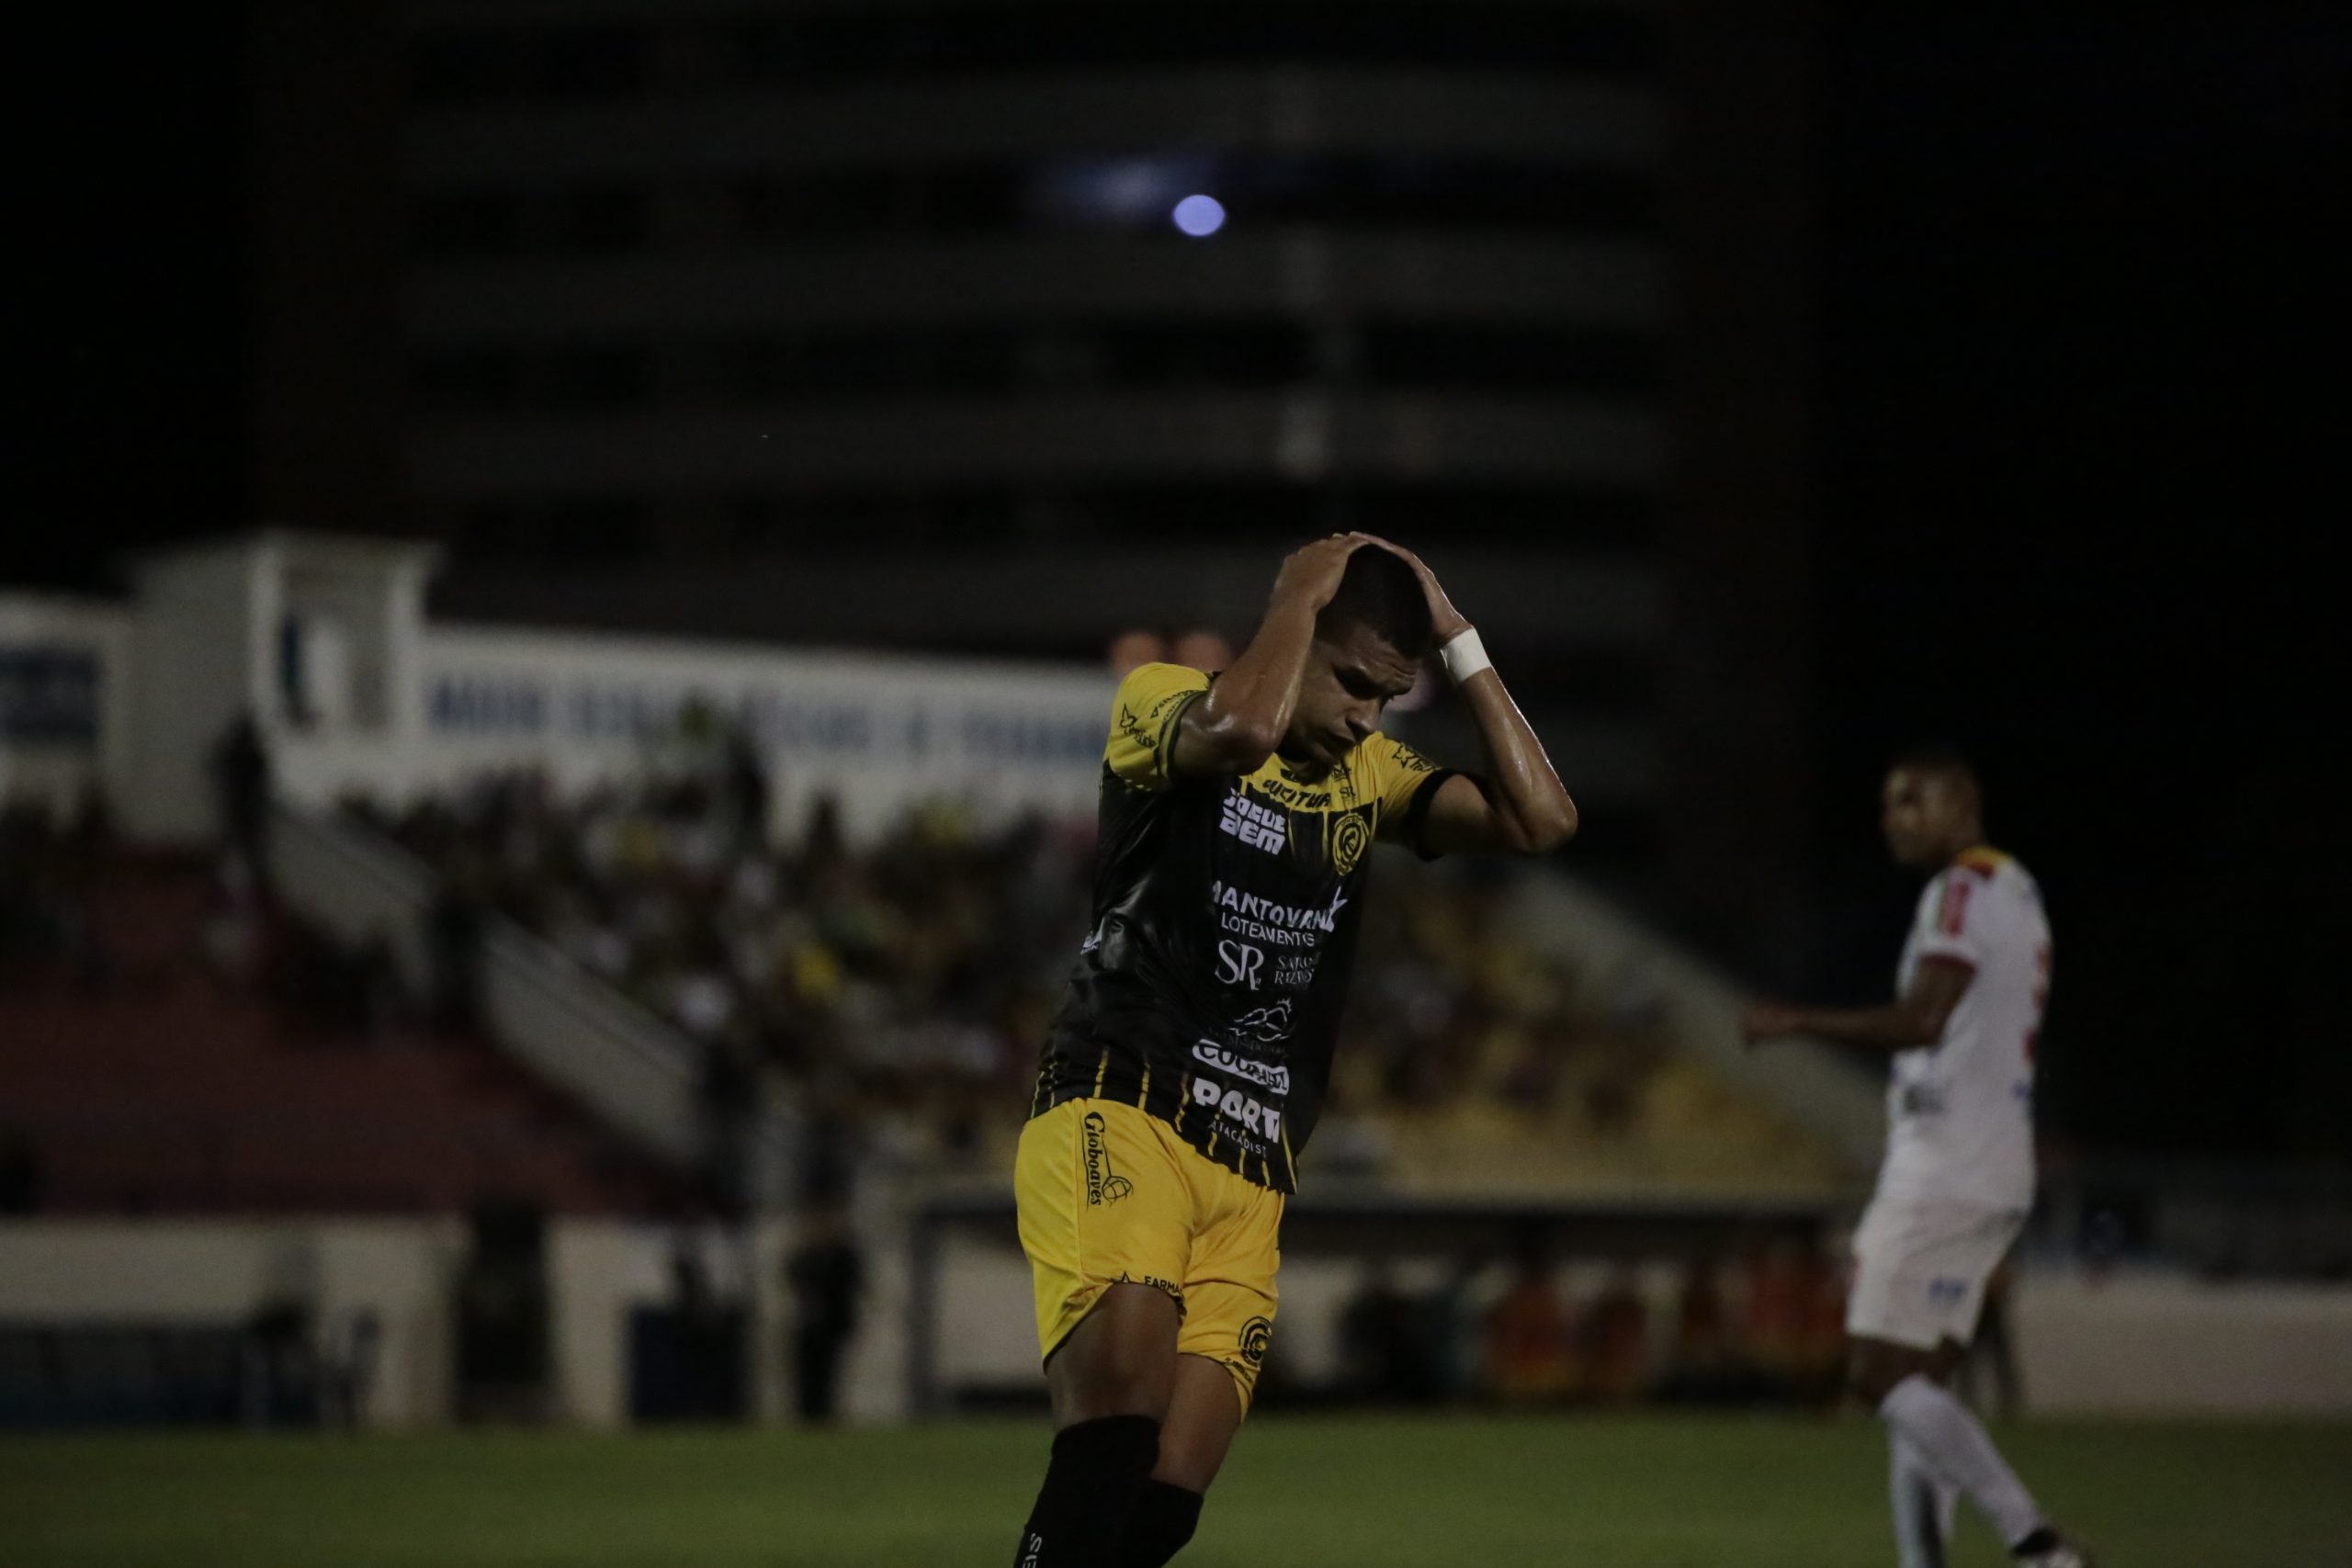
[1383, 1354]
[453, 939]
[1527, 1334]
[1450, 1331]
[708, 1323]
[1792, 1334]
[1202, 649]
[240, 790]
[1774, 1332]
[826, 1277]
[45, 893]
[20, 1172]
[1701, 1368]
[1132, 649]
[1614, 1337]
[728, 1101]
[747, 794]
[503, 1341]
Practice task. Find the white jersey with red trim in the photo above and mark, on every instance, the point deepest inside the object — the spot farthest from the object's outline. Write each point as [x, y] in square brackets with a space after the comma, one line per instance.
[1960, 1112]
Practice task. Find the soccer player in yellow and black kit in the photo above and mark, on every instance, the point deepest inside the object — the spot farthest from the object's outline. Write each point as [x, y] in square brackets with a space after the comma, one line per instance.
[1184, 1072]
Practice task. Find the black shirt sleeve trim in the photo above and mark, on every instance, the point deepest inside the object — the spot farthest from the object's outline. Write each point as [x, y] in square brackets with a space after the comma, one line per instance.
[1417, 810]
[1164, 745]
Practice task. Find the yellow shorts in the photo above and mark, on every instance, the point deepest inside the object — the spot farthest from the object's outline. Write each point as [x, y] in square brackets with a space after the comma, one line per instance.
[1110, 1195]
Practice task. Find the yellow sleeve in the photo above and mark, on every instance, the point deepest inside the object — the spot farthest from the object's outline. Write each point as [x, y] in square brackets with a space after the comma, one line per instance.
[1143, 721]
[1402, 781]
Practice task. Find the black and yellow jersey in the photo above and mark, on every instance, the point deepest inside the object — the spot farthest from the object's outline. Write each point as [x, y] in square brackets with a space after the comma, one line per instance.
[1209, 990]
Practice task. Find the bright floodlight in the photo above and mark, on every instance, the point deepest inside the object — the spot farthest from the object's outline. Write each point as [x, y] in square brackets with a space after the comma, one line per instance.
[1200, 216]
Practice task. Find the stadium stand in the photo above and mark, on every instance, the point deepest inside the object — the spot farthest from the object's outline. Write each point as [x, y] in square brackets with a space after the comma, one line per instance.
[172, 1041]
[896, 991]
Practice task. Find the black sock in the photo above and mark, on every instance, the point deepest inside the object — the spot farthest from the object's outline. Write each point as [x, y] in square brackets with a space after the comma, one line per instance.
[1163, 1521]
[1098, 1470]
[2043, 1540]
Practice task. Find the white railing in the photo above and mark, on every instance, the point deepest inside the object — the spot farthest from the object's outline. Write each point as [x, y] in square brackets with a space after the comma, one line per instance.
[630, 1069]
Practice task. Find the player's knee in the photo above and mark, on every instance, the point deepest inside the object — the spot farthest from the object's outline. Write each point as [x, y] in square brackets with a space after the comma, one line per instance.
[1873, 1369]
[1120, 1361]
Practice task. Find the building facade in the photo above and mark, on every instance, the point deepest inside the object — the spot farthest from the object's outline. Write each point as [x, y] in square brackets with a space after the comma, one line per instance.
[715, 314]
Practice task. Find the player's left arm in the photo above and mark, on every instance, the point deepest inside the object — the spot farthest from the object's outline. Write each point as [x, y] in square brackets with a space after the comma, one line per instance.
[1917, 1018]
[1520, 806]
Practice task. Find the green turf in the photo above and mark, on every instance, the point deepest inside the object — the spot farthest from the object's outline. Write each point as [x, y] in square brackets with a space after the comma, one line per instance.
[1619, 1492]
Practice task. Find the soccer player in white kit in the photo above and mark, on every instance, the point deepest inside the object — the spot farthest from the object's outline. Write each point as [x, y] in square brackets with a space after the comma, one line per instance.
[1958, 1178]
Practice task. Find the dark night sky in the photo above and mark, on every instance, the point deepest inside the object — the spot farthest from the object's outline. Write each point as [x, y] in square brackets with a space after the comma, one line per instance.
[2081, 318]
[2081, 363]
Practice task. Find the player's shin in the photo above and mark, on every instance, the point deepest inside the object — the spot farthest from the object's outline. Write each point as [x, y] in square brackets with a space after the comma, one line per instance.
[1097, 1473]
[1923, 1502]
[1163, 1521]
[1946, 1437]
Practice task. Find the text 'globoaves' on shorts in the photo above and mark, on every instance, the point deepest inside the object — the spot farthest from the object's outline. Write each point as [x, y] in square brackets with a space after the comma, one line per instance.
[1109, 1194]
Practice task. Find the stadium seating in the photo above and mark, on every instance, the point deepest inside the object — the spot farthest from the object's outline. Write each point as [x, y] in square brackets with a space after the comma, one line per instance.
[898, 990]
[180, 1055]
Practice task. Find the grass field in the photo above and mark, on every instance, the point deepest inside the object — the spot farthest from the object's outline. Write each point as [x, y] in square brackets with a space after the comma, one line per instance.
[1623, 1493]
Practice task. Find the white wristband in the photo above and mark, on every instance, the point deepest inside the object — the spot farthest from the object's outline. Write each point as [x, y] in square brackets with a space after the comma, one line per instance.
[1464, 655]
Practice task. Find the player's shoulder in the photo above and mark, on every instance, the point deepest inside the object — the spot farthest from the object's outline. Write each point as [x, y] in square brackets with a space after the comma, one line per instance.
[1993, 868]
[1990, 880]
[1157, 677]
[1147, 691]
[1385, 750]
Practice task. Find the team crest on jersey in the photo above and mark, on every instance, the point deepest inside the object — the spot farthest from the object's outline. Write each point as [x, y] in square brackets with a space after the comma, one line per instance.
[1351, 836]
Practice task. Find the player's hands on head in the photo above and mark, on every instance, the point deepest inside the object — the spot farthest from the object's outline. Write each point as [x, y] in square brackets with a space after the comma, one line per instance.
[1759, 1022]
[1310, 574]
[1446, 621]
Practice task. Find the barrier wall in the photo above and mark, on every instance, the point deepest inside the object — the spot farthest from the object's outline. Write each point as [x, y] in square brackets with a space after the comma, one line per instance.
[189, 1273]
[2160, 1345]
[218, 1273]
[2139, 1346]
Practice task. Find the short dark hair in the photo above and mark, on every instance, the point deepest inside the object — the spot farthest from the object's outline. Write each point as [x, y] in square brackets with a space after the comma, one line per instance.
[1942, 760]
[1379, 592]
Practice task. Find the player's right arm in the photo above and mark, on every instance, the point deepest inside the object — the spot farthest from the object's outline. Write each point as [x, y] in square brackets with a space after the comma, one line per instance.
[1917, 1018]
[1240, 720]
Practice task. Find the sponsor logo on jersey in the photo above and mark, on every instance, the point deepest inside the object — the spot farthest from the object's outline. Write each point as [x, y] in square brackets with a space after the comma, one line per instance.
[1257, 1337]
[1265, 1075]
[1920, 1099]
[1276, 924]
[1293, 796]
[1294, 971]
[1264, 1123]
[1103, 1185]
[1259, 827]
[1268, 1026]
[1237, 963]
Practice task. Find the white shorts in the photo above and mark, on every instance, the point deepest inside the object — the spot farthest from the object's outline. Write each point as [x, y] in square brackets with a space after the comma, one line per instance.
[1921, 1269]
